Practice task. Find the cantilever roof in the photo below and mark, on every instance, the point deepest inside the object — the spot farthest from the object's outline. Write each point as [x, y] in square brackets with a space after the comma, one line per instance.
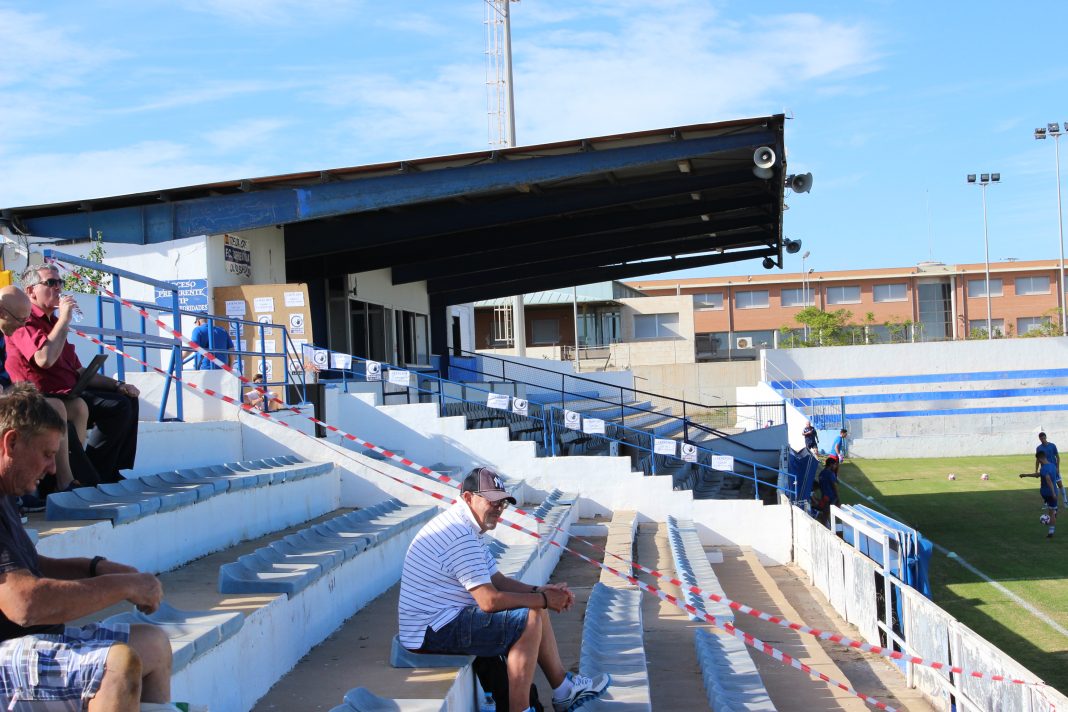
[488, 224]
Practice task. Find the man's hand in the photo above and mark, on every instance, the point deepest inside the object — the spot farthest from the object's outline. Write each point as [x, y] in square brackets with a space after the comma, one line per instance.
[67, 306]
[562, 587]
[128, 389]
[146, 592]
[559, 600]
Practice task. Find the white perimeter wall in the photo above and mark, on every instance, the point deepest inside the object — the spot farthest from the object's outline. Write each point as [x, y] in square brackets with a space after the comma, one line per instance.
[933, 435]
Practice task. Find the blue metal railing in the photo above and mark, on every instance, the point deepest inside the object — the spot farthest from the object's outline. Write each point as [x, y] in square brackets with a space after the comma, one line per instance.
[143, 340]
[430, 387]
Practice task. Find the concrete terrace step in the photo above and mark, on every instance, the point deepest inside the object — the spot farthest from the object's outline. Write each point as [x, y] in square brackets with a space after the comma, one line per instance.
[357, 654]
[232, 503]
[291, 564]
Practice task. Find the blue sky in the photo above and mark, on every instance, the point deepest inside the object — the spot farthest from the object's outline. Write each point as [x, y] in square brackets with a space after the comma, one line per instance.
[892, 102]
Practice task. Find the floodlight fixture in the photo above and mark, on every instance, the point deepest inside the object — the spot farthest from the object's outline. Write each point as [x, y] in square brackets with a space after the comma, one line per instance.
[1040, 134]
[995, 177]
[971, 177]
[984, 177]
[1054, 128]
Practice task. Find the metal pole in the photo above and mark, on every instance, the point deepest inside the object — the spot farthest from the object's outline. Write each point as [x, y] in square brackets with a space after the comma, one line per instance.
[1060, 235]
[986, 250]
[574, 304]
[508, 71]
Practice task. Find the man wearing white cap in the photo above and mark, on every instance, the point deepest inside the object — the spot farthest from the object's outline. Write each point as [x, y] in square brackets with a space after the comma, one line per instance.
[453, 600]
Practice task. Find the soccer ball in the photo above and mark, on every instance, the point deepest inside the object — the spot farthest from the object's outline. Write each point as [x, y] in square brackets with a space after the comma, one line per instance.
[951, 477]
[984, 476]
[1044, 519]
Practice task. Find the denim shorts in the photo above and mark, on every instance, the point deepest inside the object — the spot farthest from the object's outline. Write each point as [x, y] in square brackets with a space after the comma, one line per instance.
[475, 632]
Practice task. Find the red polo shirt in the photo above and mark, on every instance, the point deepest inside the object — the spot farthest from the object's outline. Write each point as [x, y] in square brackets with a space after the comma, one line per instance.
[27, 341]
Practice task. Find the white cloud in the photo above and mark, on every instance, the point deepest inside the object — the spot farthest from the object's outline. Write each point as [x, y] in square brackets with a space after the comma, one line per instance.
[667, 63]
[244, 134]
[38, 52]
[142, 167]
[273, 12]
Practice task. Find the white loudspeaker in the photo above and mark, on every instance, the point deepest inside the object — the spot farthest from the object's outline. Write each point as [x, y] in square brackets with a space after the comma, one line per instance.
[801, 183]
[764, 157]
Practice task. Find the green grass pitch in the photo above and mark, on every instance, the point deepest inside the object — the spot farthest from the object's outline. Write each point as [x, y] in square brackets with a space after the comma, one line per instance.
[994, 525]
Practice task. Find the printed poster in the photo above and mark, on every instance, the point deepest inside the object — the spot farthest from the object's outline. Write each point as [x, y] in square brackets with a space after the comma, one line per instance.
[664, 446]
[572, 420]
[593, 426]
[498, 401]
[520, 406]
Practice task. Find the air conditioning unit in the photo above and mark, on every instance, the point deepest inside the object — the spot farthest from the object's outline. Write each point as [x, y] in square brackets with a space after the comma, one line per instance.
[743, 342]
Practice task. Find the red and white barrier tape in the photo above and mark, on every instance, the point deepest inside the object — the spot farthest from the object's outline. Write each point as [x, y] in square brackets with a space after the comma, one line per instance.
[445, 479]
[749, 640]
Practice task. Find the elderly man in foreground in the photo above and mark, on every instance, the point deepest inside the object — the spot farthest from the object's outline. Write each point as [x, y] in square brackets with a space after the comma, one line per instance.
[41, 353]
[42, 659]
[453, 600]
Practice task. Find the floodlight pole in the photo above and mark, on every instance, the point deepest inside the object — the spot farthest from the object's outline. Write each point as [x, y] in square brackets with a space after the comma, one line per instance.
[1054, 130]
[986, 179]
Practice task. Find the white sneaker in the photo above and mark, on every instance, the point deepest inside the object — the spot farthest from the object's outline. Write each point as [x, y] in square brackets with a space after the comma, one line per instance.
[583, 689]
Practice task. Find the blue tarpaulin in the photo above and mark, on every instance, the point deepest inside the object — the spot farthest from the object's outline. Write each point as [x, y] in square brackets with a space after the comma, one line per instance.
[916, 551]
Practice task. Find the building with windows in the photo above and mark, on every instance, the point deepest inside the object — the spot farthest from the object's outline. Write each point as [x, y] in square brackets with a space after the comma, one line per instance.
[735, 317]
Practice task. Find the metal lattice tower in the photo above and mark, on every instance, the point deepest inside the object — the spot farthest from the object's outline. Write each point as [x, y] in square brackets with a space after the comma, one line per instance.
[500, 104]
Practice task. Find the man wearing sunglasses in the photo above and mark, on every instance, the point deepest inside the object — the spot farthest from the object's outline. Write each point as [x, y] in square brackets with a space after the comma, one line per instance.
[453, 600]
[72, 467]
[40, 352]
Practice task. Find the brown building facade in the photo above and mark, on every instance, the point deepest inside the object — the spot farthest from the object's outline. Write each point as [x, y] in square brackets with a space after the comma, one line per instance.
[734, 317]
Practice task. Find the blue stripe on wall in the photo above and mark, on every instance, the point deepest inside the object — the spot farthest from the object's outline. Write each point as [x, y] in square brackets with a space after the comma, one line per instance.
[954, 395]
[921, 378]
[957, 411]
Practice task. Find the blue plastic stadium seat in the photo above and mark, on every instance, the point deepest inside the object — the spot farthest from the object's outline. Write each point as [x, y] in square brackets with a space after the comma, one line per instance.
[131, 499]
[294, 562]
[360, 699]
[191, 633]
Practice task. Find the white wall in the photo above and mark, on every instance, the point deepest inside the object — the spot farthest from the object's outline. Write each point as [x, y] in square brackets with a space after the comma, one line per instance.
[466, 313]
[268, 253]
[948, 435]
[377, 287]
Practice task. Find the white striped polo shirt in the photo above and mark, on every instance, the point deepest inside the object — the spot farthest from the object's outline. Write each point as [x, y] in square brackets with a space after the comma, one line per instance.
[445, 560]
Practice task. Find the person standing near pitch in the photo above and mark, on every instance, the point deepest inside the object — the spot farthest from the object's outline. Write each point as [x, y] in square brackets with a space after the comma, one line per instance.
[1047, 488]
[1054, 458]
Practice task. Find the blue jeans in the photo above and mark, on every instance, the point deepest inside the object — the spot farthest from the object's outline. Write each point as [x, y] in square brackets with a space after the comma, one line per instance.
[475, 632]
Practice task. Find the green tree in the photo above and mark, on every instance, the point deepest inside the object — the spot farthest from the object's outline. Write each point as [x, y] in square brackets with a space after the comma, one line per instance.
[96, 254]
[1051, 325]
[826, 328]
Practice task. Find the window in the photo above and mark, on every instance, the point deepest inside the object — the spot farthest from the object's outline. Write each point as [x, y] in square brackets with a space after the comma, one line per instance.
[977, 328]
[545, 331]
[843, 295]
[1027, 324]
[936, 310]
[712, 300]
[710, 347]
[977, 288]
[1032, 285]
[656, 326]
[890, 292]
[756, 299]
[796, 298]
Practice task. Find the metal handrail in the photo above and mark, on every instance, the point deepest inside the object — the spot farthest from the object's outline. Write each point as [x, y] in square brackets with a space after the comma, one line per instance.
[549, 419]
[587, 380]
[144, 340]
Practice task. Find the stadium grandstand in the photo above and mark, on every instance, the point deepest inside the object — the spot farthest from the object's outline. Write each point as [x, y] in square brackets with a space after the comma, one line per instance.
[278, 523]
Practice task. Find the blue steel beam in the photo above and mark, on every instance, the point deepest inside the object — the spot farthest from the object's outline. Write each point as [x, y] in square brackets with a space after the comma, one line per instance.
[146, 224]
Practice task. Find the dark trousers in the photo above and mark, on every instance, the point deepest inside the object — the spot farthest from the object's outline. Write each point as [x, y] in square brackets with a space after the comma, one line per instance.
[112, 444]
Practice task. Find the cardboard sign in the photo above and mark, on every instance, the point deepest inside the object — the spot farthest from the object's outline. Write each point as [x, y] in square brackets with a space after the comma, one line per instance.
[497, 400]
